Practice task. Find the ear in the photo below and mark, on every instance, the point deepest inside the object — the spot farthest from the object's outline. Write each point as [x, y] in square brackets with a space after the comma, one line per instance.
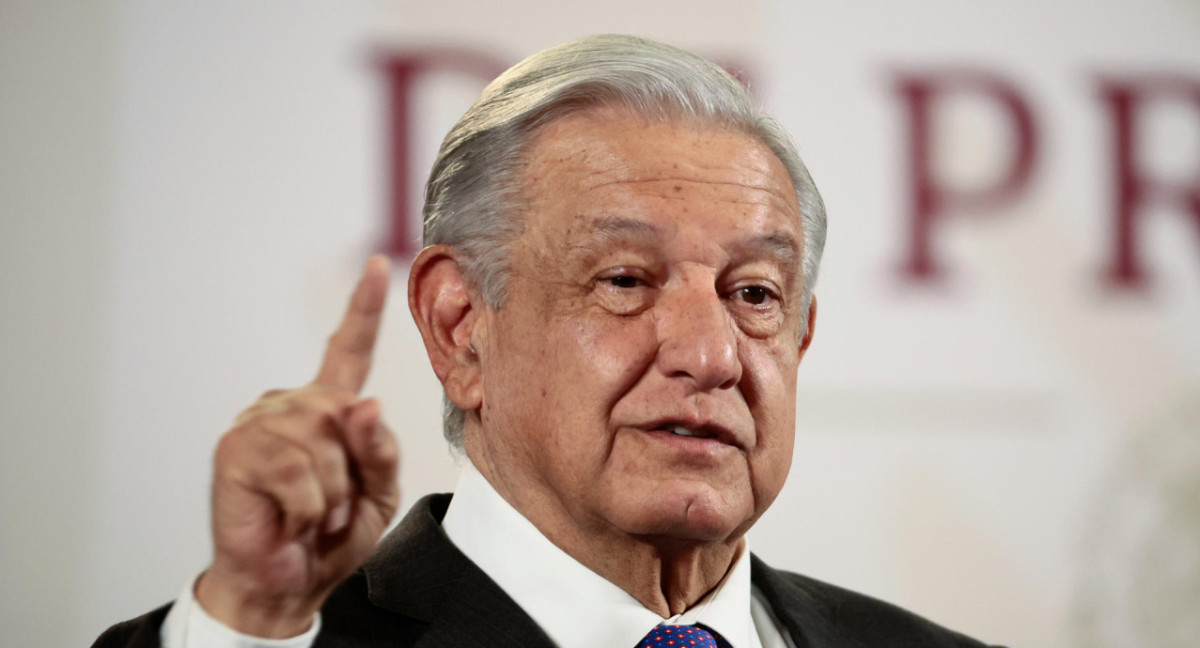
[812, 326]
[447, 312]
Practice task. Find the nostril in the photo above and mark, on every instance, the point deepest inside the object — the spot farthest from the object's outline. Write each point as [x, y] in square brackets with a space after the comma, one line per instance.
[698, 341]
[707, 368]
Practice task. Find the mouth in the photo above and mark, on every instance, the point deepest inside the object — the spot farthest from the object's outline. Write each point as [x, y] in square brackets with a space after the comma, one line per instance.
[681, 430]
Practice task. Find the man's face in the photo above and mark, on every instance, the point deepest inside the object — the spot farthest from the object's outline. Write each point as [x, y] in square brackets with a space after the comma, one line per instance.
[640, 377]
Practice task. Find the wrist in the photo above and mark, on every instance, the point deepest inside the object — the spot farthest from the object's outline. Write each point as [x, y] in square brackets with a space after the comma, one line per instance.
[246, 609]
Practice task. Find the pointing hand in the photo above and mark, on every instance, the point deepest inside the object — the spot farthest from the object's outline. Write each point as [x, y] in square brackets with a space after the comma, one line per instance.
[304, 485]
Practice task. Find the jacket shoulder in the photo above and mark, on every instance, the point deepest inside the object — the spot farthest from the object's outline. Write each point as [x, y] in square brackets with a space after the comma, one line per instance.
[142, 632]
[821, 615]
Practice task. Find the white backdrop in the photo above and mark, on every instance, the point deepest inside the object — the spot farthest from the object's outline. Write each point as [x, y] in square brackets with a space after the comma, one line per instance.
[189, 190]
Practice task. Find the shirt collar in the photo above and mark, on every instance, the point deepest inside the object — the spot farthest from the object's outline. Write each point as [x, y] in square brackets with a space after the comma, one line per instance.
[575, 606]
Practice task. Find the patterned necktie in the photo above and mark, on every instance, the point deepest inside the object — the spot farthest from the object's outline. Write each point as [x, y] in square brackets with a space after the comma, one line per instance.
[682, 636]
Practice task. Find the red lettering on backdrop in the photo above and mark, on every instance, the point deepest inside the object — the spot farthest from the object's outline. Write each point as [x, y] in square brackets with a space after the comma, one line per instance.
[929, 200]
[401, 70]
[1134, 189]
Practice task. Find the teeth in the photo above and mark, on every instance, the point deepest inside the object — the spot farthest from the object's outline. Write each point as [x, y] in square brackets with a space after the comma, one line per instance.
[682, 431]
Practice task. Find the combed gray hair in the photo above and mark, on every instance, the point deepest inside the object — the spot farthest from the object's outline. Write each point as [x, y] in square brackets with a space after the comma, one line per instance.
[472, 200]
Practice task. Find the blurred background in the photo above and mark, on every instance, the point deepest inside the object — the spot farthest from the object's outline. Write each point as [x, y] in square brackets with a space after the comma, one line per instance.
[999, 420]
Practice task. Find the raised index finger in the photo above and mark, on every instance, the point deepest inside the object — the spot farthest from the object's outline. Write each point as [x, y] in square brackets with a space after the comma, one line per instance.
[351, 347]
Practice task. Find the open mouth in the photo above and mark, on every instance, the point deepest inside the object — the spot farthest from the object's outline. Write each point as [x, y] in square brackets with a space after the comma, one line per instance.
[679, 430]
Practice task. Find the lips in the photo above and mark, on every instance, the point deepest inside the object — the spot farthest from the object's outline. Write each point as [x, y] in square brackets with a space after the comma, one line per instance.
[701, 430]
[679, 430]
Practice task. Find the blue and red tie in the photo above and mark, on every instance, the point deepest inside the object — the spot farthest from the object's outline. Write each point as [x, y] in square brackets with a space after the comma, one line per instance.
[682, 636]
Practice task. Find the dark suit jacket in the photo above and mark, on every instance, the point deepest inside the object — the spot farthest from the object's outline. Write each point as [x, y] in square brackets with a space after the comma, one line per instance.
[419, 590]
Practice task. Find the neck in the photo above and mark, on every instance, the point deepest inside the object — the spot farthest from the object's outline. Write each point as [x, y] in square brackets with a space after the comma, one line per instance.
[667, 575]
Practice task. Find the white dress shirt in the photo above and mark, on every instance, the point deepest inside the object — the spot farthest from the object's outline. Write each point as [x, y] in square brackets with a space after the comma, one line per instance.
[575, 606]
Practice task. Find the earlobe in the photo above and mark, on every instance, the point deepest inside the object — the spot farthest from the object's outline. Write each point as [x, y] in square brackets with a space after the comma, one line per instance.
[446, 312]
[812, 325]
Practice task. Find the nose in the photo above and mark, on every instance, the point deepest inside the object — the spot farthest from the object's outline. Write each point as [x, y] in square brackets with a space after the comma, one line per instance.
[697, 339]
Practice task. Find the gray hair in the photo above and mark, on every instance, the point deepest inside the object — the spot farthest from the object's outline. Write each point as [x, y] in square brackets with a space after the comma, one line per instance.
[472, 200]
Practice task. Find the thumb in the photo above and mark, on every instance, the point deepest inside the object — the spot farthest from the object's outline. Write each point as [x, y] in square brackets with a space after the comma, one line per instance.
[374, 450]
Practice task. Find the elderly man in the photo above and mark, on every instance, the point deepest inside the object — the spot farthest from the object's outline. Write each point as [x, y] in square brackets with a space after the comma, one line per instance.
[616, 294]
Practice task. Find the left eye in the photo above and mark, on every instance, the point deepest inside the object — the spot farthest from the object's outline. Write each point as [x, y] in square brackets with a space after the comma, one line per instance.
[754, 295]
[624, 281]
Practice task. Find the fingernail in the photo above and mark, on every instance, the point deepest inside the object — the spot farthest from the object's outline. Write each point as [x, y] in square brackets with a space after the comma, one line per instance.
[338, 518]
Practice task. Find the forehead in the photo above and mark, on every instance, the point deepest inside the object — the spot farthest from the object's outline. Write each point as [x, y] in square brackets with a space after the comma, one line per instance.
[605, 164]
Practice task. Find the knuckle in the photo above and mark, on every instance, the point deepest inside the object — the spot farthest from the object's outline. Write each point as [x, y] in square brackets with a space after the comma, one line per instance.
[299, 425]
[275, 394]
[336, 493]
[358, 344]
[272, 402]
[291, 465]
[332, 466]
[306, 510]
[328, 407]
[388, 452]
[330, 458]
[316, 424]
[231, 445]
[326, 400]
[248, 414]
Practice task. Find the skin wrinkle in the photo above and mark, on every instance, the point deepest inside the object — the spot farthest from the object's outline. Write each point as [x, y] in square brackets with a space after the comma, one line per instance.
[614, 229]
[576, 366]
[740, 185]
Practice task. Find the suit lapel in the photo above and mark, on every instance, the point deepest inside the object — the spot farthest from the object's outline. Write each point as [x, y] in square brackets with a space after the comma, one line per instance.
[803, 614]
[419, 573]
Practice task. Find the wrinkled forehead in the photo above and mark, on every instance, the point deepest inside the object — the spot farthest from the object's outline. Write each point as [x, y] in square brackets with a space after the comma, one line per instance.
[596, 160]
[621, 131]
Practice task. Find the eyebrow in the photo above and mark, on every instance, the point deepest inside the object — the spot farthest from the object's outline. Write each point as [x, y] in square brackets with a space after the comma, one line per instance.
[622, 228]
[782, 247]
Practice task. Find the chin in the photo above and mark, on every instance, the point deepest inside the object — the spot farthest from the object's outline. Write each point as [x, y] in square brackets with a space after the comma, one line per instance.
[688, 513]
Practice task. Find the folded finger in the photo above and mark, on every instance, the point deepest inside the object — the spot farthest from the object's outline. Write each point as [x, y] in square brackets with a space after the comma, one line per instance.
[284, 472]
[375, 453]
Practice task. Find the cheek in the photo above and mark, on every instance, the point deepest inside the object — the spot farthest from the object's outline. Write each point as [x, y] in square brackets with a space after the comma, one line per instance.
[515, 392]
[613, 353]
[769, 379]
[556, 389]
[769, 382]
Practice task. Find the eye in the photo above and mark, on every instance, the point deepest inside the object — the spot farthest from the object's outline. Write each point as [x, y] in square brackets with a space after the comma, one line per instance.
[624, 290]
[624, 281]
[758, 308]
[755, 295]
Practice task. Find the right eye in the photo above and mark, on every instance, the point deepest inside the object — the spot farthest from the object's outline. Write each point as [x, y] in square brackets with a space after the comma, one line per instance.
[623, 291]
